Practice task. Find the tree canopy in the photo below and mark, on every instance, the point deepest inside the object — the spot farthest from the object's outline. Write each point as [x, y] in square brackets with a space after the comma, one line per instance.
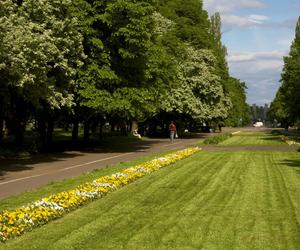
[88, 62]
[286, 105]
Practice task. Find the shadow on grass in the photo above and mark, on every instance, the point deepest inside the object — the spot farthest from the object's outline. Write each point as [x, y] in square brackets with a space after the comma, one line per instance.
[273, 138]
[295, 164]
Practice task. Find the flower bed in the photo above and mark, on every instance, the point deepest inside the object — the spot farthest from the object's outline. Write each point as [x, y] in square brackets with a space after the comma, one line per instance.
[290, 140]
[15, 223]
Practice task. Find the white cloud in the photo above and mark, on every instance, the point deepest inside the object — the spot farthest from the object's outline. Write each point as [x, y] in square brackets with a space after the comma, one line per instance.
[225, 6]
[231, 21]
[255, 56]
[261, 72]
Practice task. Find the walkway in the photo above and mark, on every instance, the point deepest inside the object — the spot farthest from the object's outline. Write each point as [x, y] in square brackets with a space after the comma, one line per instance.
[23, 175]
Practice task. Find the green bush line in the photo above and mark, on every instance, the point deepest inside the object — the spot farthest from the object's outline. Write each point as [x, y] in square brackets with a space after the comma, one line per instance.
[217, 139]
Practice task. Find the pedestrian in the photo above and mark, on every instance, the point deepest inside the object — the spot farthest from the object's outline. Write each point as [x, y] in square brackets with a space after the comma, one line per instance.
[136, 133]
[172, 130]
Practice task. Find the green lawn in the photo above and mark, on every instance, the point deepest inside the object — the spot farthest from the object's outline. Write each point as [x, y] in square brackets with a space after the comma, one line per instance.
[248, 138]
[212, 200]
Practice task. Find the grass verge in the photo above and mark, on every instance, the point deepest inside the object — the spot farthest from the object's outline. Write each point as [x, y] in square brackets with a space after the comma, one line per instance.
[249, 138]
[212, 200]
[17, 222]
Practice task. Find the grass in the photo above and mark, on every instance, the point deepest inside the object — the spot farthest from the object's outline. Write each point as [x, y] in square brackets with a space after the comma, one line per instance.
[212, 200]
[248, 138]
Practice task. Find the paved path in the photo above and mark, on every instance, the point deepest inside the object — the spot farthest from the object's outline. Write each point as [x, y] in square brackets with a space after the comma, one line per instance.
[18, 176]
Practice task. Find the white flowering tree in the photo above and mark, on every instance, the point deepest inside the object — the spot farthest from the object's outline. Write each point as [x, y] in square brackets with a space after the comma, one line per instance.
[200, 93]
[40, 52]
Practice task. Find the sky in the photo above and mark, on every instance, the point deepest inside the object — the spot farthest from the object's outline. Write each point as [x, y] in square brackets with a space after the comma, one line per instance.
[257, 34]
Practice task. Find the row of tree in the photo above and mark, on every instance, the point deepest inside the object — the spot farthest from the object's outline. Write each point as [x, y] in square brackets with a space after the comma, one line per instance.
[286, 106]
[119, 61]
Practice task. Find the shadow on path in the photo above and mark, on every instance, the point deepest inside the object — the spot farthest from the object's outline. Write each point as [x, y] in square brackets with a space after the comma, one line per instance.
[111, 145]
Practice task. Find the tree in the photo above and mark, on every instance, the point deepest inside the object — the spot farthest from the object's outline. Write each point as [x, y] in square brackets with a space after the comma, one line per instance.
[43, 50]
[286, 105]
[278, 110]
[200, 93]
[130, 71]
[291, 78]
[239, 114]
[219, 49]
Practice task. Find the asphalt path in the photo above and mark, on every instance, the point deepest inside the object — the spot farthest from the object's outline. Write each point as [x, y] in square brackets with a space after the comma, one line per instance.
[21, 175]
[17, 176]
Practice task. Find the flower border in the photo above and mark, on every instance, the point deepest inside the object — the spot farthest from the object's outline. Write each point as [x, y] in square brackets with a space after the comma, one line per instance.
[23, 219]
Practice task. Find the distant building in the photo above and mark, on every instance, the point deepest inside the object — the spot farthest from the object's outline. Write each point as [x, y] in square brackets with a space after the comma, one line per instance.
[259, 113]
[254, 112]
[266, 109]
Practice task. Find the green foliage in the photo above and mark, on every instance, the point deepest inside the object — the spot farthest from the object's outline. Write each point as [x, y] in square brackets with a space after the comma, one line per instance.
[200, 93]
[239, 114]
[286, 105]
[123, 60]
[42, 50]
[191, 21]
[220, 50]
[217, 138]
[126, 79]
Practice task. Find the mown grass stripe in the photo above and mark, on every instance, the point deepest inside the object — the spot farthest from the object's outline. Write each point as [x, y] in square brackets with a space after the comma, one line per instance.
[212, 200]
[15, 223]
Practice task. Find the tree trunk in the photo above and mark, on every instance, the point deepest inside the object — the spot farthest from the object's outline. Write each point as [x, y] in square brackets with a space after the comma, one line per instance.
[112, 126]
[1, 130]
[42, 129]
[19, 121]
[86, 131]
[133, 126]
[101, 131]
[75, 130]
[19, 133]
[1, 118]
[50, 129]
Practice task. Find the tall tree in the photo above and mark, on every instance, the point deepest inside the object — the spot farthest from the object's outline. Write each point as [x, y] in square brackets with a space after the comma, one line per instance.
[239, 114]
[43, 50]
[125, 78]
[219, 49]
[200, 91]
[286, 106]
[291, 78]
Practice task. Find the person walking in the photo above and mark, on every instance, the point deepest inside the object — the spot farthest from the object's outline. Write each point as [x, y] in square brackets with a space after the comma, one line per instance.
[172, 130]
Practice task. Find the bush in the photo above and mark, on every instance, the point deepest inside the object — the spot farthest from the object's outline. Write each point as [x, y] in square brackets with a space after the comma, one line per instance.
[217, 139]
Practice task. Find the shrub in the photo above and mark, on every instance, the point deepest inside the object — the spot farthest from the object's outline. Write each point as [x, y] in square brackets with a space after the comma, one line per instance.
[217, 139]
